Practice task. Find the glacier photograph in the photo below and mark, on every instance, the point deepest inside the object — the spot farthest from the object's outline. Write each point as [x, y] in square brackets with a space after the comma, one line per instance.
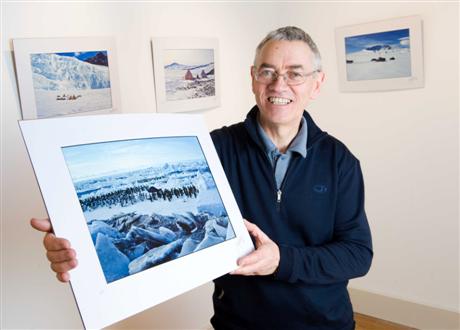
[146, 201]
[71, 82]
[382, 55]
[189, 74]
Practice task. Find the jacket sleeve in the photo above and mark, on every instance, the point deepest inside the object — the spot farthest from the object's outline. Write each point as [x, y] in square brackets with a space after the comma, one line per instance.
[348, 254]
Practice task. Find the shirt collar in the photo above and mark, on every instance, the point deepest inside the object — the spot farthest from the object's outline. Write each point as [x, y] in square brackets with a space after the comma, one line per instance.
[299, 144]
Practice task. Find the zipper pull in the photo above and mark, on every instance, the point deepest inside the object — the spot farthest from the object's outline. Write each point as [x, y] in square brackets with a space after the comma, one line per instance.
[278, 196]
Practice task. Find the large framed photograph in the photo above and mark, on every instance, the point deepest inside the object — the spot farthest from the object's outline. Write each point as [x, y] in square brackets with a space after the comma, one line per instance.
[379, 56]
[145, 203]
[186, 74]
[66, 76]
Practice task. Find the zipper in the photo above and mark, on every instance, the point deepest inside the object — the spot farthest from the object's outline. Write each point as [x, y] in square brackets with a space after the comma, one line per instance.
[278, 199]
[279, 192]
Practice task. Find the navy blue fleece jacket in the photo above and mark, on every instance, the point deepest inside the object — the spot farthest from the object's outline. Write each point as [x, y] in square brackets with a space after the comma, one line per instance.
[319, 225]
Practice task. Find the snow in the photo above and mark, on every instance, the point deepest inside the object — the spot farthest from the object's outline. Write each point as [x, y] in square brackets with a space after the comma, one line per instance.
[363, 68]
[177, 88]
[89, 100]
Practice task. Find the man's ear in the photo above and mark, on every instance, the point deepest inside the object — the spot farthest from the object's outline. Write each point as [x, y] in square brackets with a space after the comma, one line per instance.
[319, 80]
[253, 79]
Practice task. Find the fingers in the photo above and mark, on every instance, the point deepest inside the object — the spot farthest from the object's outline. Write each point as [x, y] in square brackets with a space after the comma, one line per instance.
[64, 267]
[41, 225]
[58, 250]
[250, 226]
[53, 243]
[256, 232]
[63, 277]
[251, 258]
[249, 270]
[263, 261]
[61, 255]
[256, 263]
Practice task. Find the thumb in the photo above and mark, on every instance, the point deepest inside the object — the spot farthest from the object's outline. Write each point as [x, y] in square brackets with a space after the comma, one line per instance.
[259, 236]
[41, 225]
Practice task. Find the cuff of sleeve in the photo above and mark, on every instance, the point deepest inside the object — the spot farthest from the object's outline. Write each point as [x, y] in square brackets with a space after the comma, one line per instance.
[285, 267]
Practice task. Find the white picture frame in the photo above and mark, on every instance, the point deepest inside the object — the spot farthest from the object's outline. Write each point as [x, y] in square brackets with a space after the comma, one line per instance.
[63, 161]
[187, 74]
[380, 56]
[67, 76]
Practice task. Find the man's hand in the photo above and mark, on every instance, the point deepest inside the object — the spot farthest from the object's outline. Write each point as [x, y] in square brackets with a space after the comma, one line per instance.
[58, 250]
[264, 260]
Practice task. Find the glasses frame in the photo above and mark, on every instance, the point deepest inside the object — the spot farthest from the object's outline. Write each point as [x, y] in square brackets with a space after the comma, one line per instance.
[284, 75]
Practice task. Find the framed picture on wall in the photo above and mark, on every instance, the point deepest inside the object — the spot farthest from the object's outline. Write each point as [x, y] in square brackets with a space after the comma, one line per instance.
[382, 55]
[186, 74]
[66, 76]
[145, 203]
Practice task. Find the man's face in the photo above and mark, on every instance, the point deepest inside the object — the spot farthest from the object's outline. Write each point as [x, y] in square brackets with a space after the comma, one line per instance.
[279, 103]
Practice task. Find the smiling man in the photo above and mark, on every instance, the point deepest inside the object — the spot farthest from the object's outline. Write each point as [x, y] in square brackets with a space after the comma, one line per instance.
[281, 102]
[303, 193]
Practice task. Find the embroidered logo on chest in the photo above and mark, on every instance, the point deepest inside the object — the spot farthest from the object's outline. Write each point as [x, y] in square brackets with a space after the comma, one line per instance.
[320, 188]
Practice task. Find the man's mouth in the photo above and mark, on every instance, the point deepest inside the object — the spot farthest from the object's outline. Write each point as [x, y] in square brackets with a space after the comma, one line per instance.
[279, 100]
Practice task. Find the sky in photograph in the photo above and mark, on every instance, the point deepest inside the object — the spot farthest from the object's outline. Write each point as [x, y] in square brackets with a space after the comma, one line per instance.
[98, 159]
[188, 56]
[396, 39]
[82, 55]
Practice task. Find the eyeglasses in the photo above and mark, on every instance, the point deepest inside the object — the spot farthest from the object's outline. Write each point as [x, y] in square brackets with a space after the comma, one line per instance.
[292, 78]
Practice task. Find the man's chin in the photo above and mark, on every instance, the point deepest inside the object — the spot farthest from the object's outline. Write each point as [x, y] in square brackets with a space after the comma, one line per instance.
[280, 120]
[279, 115]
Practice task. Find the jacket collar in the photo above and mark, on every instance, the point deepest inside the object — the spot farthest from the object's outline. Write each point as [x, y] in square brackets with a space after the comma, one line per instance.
[250, 123]
[298, 144]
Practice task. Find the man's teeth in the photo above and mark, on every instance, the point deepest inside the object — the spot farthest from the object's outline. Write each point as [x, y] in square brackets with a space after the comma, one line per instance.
[279, 100]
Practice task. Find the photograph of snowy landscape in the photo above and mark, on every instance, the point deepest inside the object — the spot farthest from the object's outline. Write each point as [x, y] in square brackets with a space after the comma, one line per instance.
[189, 73]
[71, 82]
[147, 201]
[380, 55]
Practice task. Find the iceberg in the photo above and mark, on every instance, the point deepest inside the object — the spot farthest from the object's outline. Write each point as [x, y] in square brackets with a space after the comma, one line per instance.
[97, 227]
[113, 262]
[154, 257]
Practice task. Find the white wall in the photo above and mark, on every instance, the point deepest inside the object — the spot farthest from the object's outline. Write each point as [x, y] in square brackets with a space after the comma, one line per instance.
[407, 142]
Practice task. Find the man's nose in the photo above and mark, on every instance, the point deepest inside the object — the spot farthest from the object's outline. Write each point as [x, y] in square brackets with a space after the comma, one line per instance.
[279, 83]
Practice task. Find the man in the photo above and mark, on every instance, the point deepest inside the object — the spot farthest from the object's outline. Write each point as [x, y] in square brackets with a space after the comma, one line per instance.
[301, 189]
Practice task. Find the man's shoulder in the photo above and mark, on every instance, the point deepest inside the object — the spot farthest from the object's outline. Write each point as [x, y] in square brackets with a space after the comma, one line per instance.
[334, 147]
[322, 140]
[228, 133]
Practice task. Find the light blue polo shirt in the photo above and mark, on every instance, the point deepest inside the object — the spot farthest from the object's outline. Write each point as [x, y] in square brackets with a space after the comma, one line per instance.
[280, 161]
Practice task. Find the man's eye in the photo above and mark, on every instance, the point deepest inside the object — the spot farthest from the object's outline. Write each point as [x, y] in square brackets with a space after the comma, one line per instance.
[294, 75]
[266, 73]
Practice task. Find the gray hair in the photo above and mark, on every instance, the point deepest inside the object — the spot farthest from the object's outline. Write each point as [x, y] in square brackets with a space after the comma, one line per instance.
[292, 33]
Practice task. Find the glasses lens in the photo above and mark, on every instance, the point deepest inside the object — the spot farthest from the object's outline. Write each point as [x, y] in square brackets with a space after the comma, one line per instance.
[294, 77]
[266, 76]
